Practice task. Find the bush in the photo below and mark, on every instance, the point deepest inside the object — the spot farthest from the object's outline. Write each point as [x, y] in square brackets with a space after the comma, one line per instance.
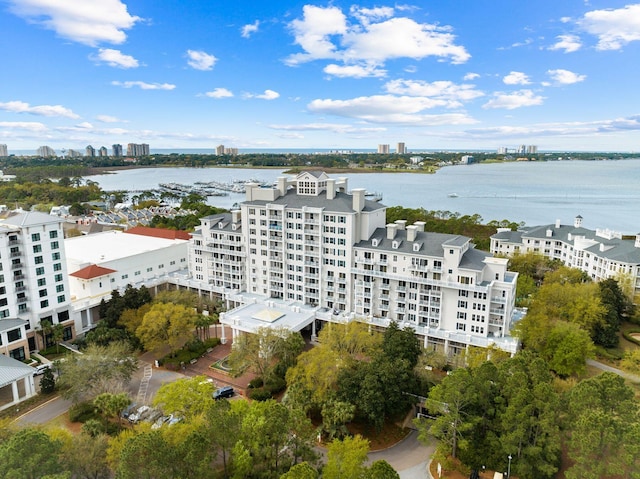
[82, 412]
[256, 383]
[192, 350]
[47, 382]
[276, 385]
[628, 337]
[259, 394]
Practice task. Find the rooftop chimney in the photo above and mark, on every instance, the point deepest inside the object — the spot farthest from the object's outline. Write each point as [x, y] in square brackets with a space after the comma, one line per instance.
[391, 230]
[358, 199]
[331, 188]
[420, 225]
[282, 185]
[557, 223]
[401, 224]
[412, 231]
[235, 216]
[637, 244]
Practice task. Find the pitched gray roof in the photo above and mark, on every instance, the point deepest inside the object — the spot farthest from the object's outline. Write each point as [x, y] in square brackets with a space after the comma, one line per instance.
[11, 370]
[31, 218]
[8, 324]
[431, 245]
[342, 203]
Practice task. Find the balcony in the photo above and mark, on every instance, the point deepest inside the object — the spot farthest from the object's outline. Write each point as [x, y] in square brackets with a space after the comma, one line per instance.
[14, 242]
[16, 254]
[16, 265]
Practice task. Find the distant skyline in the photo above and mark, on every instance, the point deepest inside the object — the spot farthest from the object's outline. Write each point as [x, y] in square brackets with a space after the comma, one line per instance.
[338, 75]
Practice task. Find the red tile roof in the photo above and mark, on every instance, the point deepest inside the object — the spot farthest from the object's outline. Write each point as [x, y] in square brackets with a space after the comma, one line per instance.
[92, 271]
[159, 233]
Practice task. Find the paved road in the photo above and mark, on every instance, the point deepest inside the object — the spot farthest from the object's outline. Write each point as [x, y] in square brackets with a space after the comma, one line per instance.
[604, 367]
[409, 457]
[45, 412]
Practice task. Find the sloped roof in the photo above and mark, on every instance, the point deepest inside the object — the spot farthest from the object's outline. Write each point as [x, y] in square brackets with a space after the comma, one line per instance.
[159, 233]
[92, 271]
[11, 370]
[31, 218]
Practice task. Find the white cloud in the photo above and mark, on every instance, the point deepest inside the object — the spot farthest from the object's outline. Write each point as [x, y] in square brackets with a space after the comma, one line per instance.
[371, 39]
[471, 76]
[333, 127]
[144, 85]
[511, 101]
[568, 43]
[87, 22]
[115, 58]
[516, 78]
[565, 19]
[24, 125]
[200, 60]
[219, 93]
[108, 119]
[41, 110]
[451, 94]
[267, 95]
[613, 27]
[389, 109]
[354, 71]
[367, 15]
[565, 77]
[249, 29]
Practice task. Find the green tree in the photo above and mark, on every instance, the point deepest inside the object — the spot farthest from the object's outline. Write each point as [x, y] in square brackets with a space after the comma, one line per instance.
[346, 458]
[47, 382]
[225, 417]
[100, 369]
[604, 427]
[567, 349]
[335, 416]
[186, 397]
[110, 405]
[301, 471]
[29, 454]
[166, 325]
[146, 455]
[86, 457]
[381, 469]
[401, 344]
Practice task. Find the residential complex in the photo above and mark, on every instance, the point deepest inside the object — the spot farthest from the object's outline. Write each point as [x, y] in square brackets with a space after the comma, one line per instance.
[116, 150]
[46, 152]
[134, 149]
[383, 149]
[309, 251]
[601, 253]
[401, 149]
[3, 150]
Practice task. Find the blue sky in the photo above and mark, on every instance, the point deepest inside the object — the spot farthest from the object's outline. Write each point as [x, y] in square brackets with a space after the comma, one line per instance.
[445, 74]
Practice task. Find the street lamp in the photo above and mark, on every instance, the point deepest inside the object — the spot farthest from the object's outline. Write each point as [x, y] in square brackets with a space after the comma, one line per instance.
[509, 468]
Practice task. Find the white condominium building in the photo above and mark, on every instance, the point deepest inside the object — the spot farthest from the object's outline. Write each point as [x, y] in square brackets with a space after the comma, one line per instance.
[601, 253]
[308, 251]
[33, 281]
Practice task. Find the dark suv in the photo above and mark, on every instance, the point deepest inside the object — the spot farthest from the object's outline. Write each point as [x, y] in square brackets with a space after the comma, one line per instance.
[224, 392]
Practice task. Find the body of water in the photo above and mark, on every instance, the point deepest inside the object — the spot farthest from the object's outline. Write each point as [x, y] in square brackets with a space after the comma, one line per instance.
[605, 193]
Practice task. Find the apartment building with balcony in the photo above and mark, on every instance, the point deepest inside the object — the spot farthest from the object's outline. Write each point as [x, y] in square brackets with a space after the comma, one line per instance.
[601, 254]
[33, 281]
[309, 251]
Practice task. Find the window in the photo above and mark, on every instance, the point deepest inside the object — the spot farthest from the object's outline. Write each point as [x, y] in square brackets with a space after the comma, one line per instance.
[39, 270]
[54, 245]
[61, 298]
[38, 260]
[57, 267]
[44, 303]
[35, 237]
[59, 288]
[125, 276]
[42, 293]
[36, 248]
[53, 234]
[42, 281]
[55, 256]
[58, 277]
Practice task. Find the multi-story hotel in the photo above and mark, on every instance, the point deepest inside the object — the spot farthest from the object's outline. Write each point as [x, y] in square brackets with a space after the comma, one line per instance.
[383, 149]
[3, 150]
[308, 251]
[601, 253]
[33, 281]
[135, 149]
[116, 149]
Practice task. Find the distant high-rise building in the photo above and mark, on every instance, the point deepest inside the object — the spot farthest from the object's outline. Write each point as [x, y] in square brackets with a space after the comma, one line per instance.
[46, 152]
[220, 150]
[383, 149]
[116, 150]
[532, 149]
[103, 151]
[90, 151]
[502, 150]
[73, 154]
[231, 151]
[3, 150]
[134, 149]
[401, 149]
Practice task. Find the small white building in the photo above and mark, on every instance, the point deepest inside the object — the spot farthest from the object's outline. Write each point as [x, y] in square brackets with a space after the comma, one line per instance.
[16, 382]
[111, 260]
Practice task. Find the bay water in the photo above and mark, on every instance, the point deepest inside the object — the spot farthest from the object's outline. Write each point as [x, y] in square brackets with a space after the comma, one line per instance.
[605, 193]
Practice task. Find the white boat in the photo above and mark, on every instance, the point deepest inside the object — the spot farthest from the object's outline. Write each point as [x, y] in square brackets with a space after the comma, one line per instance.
[452, 195]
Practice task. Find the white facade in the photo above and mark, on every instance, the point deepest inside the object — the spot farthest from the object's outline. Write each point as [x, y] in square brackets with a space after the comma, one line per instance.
[33, 274]
[103, 262]
[310, 244]
[601, 253]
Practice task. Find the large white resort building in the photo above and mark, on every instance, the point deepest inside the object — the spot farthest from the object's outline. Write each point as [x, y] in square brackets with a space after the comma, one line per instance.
[601, 254]
[309, 251]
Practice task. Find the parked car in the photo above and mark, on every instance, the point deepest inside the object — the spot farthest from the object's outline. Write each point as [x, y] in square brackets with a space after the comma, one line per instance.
[126, 412]
[139, 415]
[41, 368]
[223, 392]
[160, 422]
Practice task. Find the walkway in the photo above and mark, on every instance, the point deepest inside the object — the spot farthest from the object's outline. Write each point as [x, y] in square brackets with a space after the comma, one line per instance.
[604, 367]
